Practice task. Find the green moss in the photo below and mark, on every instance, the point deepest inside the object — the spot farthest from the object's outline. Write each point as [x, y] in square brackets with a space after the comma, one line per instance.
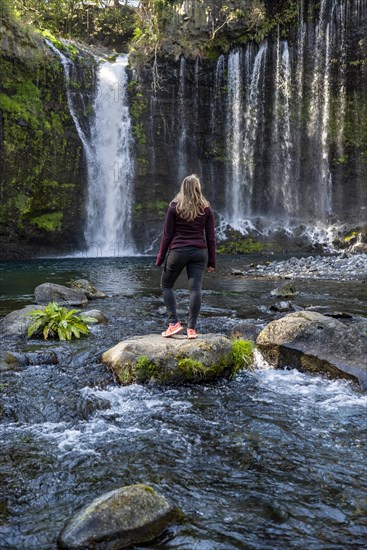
[154, 208]
[144, 369]
[192, 368]
[242, 354]
[50, 222]
[240, 246]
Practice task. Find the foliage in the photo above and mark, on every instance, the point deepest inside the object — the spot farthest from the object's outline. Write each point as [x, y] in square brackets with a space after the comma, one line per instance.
[56, 321]
[242, 353]
[240, 246]
[192, 368]
[92, 20]
[50, 222]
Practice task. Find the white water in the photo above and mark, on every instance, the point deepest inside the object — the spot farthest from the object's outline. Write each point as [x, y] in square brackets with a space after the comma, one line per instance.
[234, 138]
[110, 174]
[283, 191]
[182, 152]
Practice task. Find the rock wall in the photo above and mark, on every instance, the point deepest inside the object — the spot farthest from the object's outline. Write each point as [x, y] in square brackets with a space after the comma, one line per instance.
[42, 179]
[284, 145]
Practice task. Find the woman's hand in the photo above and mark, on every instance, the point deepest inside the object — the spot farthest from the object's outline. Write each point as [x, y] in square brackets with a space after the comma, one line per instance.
[211, 269]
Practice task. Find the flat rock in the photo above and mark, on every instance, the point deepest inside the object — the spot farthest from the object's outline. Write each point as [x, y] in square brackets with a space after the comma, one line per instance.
[129, 515]
[309, 341]
[176, 359]
[63, 295]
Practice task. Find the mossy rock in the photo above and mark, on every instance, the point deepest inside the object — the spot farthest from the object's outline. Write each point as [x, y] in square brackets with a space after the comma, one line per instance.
[120, 518]
[152, 358]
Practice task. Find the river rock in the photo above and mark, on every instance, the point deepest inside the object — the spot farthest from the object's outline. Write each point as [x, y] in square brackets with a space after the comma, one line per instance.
[63, 295]
[90, 291]
[17, 322]
[156, 359]
[284, 291]
[14, 359]
[129, 515]
[97, 315]
[313, 342]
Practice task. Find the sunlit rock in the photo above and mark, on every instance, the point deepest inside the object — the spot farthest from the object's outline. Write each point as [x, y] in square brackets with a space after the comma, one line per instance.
[313, 342]
[156, 359]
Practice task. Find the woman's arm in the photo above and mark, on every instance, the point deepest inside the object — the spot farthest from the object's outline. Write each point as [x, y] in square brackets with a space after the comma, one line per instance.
[167, 235]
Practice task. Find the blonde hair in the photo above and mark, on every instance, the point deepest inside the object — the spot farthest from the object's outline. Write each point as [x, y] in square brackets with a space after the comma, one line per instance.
[190, 201]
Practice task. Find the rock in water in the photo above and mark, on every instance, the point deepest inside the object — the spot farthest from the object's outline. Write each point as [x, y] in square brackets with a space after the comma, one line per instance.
[313, 342]
[51, 292]
[171, 360]
[118, 519]
[91, 292]
[284, 291]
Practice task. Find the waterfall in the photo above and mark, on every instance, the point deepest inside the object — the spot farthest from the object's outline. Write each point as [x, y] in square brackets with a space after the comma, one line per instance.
[253, 118]
[110, 166]
[282, 187]
[182, 142]
[110, 175]
[67, 65]
[234, 138]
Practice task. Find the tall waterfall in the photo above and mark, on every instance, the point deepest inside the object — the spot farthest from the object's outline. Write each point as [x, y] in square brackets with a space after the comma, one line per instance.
[108, 151]
[111, 168]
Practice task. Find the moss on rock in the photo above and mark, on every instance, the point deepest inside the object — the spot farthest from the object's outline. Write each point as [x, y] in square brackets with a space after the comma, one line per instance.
[154, 359]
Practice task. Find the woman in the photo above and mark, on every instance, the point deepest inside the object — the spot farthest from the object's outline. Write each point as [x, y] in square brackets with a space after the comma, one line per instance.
[188, 236]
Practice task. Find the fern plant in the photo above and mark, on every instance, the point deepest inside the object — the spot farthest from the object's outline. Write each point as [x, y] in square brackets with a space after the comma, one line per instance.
[56, 321]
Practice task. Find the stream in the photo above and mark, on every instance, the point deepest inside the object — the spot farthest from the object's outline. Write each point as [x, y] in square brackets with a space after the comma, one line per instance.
[268, 460]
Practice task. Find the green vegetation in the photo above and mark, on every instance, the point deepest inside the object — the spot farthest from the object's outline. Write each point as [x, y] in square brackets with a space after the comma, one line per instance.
[154, 208]
[144, 369]
[111, 24]
[56, 321]
[49, 222]
[240, 246]
[242, 354]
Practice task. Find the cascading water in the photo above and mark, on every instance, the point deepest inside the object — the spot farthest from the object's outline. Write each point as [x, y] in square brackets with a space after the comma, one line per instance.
[110, 166]
[235, 138]
[110, 174]
[182, 150]
[282, 189]
[246, 88]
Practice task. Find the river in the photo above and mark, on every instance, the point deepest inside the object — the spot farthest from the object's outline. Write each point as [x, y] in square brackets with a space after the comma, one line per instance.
[268, 460]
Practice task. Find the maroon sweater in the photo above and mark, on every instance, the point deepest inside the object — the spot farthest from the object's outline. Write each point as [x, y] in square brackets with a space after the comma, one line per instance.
[178, 232]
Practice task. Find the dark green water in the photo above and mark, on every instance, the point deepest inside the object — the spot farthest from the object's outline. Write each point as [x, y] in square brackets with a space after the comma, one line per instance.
[268, 460]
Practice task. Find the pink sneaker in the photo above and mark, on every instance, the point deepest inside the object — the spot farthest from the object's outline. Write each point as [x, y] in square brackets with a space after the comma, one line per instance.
[173, 328]
[191, 333]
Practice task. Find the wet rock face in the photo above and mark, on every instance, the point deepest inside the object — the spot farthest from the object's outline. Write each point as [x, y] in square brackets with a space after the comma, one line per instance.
[126, 516]
[170, 360]
[313, 342]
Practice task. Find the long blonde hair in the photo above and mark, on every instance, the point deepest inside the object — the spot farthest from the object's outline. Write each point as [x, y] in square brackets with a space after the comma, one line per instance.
[190, 201]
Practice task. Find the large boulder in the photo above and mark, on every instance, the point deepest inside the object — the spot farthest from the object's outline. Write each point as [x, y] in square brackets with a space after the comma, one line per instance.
[17, 322]
[129, 515]
[51, 292]
[90, 291]
[157, 359]
[309, 341]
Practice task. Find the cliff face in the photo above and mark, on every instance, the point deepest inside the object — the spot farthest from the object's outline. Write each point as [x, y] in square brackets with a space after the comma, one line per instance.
[42, 180]
[276, 128]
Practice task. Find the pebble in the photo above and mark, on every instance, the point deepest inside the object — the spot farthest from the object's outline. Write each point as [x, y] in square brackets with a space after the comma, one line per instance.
[343, 266]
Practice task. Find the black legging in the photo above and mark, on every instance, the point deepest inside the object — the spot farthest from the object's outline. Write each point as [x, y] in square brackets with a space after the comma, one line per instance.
[195, 261]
